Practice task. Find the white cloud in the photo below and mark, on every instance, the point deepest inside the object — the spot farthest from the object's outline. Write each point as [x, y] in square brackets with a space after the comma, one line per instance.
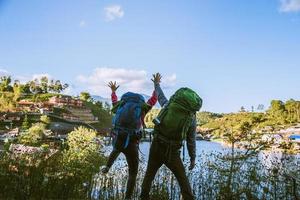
[289, 6]
[169, 81]
[128, 79]
[82, 23]
[4, 72]
[113, 12]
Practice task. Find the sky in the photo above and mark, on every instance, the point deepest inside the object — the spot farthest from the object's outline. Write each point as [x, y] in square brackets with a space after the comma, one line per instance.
[233, 53]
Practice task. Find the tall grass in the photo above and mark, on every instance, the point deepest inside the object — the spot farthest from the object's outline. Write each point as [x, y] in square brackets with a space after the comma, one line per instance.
[261, 176]
[254, 179]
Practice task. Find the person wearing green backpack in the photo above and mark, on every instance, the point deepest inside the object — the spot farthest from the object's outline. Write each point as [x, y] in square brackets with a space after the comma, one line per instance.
[175, 122]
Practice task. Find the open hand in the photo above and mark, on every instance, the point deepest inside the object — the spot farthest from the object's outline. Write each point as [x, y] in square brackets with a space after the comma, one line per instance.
[113, 86]
[192, 164]
[156, 78]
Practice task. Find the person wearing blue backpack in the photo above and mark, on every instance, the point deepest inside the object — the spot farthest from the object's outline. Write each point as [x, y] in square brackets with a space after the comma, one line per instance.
[175, 122]
[128, 124]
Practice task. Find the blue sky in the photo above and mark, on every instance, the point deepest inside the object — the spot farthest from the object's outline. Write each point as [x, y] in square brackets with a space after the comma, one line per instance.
[232, 52]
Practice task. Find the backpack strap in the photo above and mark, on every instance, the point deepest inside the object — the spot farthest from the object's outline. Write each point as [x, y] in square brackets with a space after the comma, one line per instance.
[187, 125]
[129, 132]
[161, 114]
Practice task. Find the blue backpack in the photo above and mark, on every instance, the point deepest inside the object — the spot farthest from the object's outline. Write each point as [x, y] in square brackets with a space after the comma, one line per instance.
[128, 115]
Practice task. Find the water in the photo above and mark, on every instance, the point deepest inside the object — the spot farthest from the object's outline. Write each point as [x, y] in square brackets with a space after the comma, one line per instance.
[203, 178]
[201, 147]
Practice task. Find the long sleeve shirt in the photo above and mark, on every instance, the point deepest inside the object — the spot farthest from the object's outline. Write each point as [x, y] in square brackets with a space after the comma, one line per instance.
[191, 134]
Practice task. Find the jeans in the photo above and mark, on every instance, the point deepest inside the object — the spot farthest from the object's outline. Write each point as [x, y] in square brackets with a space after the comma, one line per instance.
[159, 155]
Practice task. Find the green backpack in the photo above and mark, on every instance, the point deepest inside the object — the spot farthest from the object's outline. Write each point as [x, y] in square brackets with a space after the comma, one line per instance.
[176, 117]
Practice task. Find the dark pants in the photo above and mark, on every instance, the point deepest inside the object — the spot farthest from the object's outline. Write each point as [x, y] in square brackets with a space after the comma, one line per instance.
[159, 156]
[132, 157]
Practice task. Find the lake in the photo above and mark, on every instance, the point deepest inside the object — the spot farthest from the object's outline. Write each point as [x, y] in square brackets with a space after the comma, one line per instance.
[201, 147]
[206, 180]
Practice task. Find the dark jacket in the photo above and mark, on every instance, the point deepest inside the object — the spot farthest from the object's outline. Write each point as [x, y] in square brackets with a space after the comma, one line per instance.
[191, 134]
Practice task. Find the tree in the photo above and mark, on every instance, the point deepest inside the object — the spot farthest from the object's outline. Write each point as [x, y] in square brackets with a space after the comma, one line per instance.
[85, 96]
[34, 135]
[7, 102]
[260, 107]
[82, 152]
[57, 87]
[99, 104]
[17, 91]
[25, 88]
[46, 120]
[242, 109]
[277, 111]
[238, 132]
[65, 86]
[34, 87]
[44, 84]
[5, 82]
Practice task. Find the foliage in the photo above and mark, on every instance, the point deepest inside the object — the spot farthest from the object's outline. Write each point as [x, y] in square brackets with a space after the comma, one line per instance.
[85, 96]
[59, 111]
[43, 85]
[82, 151]
[5, 82]
[7, 102]
[25, 123]
[103, 114]
[34, 135]
[206, 117]
[66, 174]
[42, 97]
[238, 132]
[36, 86]
[45, 119]
[278, 115]
[251, 178]
[201, 117]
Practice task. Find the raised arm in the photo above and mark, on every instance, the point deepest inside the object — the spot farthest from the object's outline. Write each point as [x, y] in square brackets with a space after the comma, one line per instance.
[153, 99]
[161, 96]
[113, 86]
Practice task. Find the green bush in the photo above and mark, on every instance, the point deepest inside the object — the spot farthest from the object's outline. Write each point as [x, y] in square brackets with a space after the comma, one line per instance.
[34, 135]
[67, 174]
[82, 154]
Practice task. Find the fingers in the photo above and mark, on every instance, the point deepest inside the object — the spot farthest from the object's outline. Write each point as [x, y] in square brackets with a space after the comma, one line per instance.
[110, 84]
[156, 77]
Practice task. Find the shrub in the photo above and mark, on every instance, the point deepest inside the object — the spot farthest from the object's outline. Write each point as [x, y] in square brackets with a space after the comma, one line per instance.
[33, 136]
[82, 155]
